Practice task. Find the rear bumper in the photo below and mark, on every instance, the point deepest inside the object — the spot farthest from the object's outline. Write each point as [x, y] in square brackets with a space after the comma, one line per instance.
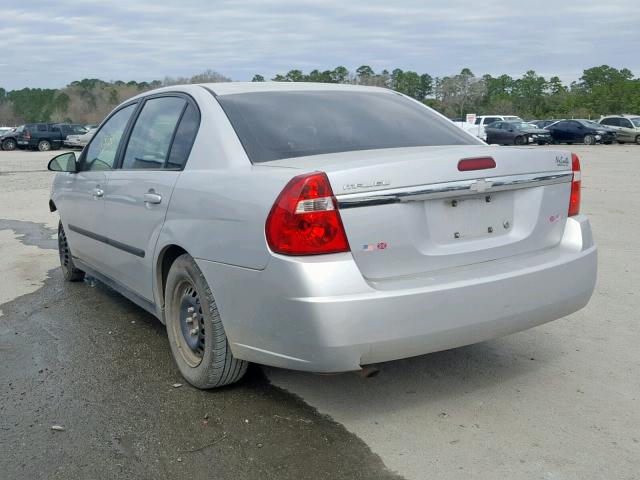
[319, 314]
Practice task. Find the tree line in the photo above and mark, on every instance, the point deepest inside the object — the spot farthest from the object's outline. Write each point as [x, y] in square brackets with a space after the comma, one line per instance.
[600, 90]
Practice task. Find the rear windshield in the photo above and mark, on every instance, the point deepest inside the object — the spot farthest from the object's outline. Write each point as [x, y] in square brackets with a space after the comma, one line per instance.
[278, 125]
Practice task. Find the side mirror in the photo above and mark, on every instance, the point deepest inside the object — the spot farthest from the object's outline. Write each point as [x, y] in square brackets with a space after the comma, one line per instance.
[65, 162]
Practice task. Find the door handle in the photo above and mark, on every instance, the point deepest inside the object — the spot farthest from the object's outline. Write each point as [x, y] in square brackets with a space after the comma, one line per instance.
[152, 197]
[97, 192]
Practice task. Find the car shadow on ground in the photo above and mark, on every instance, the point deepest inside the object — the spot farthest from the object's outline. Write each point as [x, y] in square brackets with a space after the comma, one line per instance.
[423, 381]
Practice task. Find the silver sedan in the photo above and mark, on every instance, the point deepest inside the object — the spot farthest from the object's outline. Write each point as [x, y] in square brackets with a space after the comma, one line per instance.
[318, 227]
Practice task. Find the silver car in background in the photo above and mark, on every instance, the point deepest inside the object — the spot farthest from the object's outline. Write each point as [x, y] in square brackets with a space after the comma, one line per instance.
[79, 141]
[319, 227]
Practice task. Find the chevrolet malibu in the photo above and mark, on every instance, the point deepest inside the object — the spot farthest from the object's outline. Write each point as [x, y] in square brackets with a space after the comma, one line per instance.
[318, 227]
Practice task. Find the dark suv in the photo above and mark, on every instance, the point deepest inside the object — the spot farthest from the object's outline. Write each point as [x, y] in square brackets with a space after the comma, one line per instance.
[46, 136]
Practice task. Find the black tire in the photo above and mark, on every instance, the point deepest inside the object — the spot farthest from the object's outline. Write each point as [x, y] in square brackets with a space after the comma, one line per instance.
[196, 335]
[589, 140]
[69, 270]
[607, 143]
[621, 143]
[638, 139]
[9, 144]
[44, 146]
[519, 140]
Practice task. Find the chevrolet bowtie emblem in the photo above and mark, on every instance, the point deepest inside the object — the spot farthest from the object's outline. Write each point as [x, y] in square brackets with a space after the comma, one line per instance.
[481, 185]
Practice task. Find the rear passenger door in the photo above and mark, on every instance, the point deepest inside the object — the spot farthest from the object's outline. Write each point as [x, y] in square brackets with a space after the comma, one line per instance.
[139, 190]
[626, 132]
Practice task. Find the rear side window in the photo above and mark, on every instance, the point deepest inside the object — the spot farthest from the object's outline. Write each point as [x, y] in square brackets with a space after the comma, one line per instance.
[626, 123]
[151, 136]
[277, 125]
[184, 138]
[42, 127]
[611, 121]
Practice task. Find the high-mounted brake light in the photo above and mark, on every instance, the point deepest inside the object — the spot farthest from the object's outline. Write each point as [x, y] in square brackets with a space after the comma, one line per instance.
[574, 199]
[304, 219]
[481, 163]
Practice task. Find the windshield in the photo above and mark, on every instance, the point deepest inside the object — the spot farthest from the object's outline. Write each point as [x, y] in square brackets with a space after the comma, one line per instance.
[522, 125]
[277, 125]
[590, 124]
[635, 121]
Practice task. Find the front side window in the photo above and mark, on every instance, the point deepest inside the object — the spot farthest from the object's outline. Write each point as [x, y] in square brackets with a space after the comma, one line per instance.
[101, 152]
[151, 136]
[278, 125]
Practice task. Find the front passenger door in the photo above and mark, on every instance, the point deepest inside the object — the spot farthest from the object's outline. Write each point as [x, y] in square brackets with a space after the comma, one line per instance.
[82, 201]
[139, 191]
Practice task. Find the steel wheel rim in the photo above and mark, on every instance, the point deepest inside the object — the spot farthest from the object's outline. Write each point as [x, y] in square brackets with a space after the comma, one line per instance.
[45, 147]
[189, 328]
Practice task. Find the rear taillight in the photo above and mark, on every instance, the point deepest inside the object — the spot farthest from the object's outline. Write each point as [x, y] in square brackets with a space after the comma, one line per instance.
[27, 135]
[574, 199]
[305, 220]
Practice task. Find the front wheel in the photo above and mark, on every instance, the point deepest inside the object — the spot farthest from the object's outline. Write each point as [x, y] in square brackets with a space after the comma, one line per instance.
[9, 144]
[638, 139]
[519, 140]
[69, 270]
[197, 338]
[589, 140]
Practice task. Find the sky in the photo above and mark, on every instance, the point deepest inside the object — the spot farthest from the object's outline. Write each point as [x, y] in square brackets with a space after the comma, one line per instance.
[49, 44]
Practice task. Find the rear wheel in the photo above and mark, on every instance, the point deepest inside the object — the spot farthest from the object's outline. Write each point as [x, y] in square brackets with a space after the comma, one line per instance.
[589, 140]
[44, 145]
[198, 341]
[519, 140]
[69, 270]
[638, 139]
[9, 144]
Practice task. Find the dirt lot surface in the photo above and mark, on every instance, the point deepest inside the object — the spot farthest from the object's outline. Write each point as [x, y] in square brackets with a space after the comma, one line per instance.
[561, 401]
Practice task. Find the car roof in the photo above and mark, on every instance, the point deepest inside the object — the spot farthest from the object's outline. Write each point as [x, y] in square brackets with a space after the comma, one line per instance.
[230, 88]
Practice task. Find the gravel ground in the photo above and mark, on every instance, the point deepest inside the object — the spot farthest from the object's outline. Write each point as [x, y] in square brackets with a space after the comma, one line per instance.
[560, 401]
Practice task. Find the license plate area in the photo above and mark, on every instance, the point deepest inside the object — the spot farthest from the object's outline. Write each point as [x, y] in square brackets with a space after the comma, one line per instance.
[455, 220]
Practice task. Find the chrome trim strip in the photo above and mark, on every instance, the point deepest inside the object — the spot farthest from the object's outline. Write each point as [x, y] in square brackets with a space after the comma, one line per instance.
[451, 189]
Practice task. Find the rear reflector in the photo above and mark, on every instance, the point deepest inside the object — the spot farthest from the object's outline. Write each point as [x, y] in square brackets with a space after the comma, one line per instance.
[574, 199]
[304, 220]
[481, 163]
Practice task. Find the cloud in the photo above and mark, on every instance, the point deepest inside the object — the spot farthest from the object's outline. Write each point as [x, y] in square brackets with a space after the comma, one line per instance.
[49, 44]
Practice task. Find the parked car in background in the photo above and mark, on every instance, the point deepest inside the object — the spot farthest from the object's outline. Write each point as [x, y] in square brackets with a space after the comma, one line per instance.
[580, 131]
[516, 133]
[79, 141]
[627, 127]
[46, 136]
[478, 127]
[9, 140]
[318, 227]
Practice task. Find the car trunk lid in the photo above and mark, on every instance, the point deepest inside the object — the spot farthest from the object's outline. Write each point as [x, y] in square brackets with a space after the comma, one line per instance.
[411, 211]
